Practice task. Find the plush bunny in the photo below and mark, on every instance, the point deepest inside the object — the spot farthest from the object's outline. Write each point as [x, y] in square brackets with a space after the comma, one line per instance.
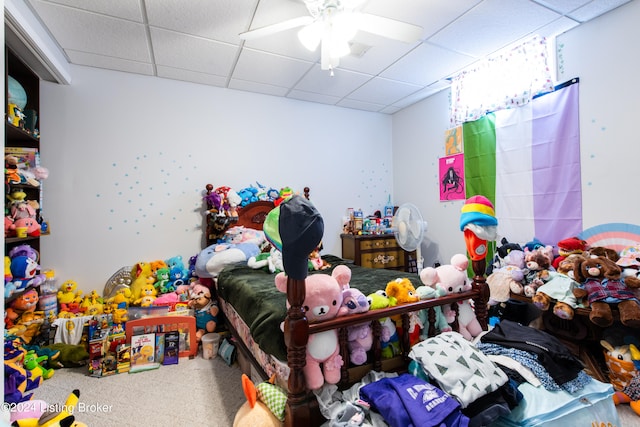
[323, 299]
[453, 278]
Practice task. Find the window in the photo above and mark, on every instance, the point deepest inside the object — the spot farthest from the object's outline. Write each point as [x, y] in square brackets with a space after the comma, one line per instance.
[506, 80]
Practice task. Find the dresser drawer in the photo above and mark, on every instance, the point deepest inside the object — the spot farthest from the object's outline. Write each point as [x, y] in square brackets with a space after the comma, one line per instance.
[373, 244]
[386, 259]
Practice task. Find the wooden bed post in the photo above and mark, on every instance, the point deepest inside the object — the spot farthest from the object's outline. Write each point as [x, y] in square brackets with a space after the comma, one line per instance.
[480, 284]
[296, 336]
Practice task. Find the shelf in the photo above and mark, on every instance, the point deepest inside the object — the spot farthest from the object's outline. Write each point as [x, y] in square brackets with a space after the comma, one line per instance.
[18, 137]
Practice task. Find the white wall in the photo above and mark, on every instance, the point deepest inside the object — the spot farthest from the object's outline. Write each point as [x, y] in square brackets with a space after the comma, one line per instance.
[129, 157]
[603, 55]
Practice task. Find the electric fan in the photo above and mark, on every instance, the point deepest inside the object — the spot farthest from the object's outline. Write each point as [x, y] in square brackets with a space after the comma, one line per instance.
[409, 228]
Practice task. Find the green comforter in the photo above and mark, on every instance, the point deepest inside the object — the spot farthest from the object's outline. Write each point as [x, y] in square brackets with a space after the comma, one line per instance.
[255, 298]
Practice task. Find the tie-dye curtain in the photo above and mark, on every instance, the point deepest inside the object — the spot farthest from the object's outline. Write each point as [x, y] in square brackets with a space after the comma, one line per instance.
[506, 80]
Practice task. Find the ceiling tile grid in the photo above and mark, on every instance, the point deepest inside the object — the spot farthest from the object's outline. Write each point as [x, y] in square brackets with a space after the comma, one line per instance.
[199, 41]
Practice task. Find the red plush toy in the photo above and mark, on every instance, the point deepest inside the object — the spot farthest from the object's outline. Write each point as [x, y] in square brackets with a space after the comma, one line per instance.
[566, 247]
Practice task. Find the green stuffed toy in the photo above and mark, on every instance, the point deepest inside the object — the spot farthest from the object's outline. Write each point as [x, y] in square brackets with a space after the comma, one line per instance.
[71, 355]
[389, 341]
[32, 362]
[269, 261]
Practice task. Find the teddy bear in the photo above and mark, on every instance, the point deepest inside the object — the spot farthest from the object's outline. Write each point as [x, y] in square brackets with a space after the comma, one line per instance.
[205, 310]
[453, 278]
[602, 283]
[322, 301]
[147, 296]
[559, 288]
[404, 292]
[389, 341]
[360, 337]
[537, 271]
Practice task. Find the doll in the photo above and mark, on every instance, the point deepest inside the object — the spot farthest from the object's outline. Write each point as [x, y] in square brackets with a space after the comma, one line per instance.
[206, 310]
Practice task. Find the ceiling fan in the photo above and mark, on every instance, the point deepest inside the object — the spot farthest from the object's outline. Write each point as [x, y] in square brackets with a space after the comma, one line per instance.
[331, 24]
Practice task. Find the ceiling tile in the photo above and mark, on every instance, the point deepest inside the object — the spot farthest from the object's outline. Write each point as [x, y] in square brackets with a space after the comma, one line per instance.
[192, 53]
[220, 20]
[313, 97]
[421, 94]
[484, 29]
[267, 68]
[198, 41]
[83, 31]
[562, 6]
[360, 105]
[257, 87]
[383, 91]
[110, 63]
[595, 9]
[340, 84]
[191, 76]
[426, 64]
[125, 9]
[431, 15]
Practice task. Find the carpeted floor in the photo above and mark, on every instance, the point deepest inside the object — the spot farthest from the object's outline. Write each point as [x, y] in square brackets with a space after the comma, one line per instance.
[195, 392]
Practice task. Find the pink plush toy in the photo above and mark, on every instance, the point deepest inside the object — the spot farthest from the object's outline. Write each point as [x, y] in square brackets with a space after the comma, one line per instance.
[322, 301]
[360, 337]
[453, 278]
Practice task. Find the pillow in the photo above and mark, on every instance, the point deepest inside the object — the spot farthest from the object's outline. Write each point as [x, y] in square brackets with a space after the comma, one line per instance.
[241, 234]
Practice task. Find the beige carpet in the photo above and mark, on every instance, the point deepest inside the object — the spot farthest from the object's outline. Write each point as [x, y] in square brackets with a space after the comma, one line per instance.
[196, 392]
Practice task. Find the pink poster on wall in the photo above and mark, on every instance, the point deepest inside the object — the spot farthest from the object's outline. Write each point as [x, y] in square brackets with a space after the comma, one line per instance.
[452, 178]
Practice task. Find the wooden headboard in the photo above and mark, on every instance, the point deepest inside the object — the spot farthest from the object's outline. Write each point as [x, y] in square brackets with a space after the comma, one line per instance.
[249, 216]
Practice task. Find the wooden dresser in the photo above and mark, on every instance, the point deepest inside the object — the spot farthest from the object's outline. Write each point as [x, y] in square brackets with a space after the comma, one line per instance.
[377, 251]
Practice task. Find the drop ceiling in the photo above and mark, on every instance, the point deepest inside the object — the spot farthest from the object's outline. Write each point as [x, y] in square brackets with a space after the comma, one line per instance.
[197, 41]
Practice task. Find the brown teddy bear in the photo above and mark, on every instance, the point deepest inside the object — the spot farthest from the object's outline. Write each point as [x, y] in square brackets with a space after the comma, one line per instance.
[537, 274]
[602, 284]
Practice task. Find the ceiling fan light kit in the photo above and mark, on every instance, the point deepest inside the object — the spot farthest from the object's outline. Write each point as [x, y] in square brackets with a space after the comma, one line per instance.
[333, 24]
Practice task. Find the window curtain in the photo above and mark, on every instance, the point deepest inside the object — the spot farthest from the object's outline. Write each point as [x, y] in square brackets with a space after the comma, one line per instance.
[527, 162]
[506, 80]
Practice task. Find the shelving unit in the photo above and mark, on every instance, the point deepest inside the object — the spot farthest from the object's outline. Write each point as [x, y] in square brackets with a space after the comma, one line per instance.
[21, 137]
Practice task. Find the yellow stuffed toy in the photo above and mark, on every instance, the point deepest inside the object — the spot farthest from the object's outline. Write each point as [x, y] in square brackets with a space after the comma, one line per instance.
[404, 292]
[63, 417]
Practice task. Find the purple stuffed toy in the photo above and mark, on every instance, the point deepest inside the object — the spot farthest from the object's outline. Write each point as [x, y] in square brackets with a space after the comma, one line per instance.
[360, 337]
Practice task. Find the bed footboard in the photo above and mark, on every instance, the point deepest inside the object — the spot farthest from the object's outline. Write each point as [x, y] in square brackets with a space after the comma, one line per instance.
[302, 407]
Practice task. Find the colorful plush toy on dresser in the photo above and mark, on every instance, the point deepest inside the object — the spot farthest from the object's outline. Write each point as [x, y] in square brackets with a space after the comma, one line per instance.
[323, 299]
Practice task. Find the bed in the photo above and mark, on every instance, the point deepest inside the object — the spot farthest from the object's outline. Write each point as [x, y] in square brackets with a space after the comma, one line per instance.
[254, 310]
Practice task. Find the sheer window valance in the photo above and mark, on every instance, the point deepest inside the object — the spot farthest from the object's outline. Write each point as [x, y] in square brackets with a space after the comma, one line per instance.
[505, 80]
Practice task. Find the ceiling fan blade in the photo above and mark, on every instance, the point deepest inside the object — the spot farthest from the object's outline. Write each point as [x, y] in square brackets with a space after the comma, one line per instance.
[389, 28]
[276, 28]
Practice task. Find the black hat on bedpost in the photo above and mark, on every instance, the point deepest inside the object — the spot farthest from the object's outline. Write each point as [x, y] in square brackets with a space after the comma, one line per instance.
[301, 228]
